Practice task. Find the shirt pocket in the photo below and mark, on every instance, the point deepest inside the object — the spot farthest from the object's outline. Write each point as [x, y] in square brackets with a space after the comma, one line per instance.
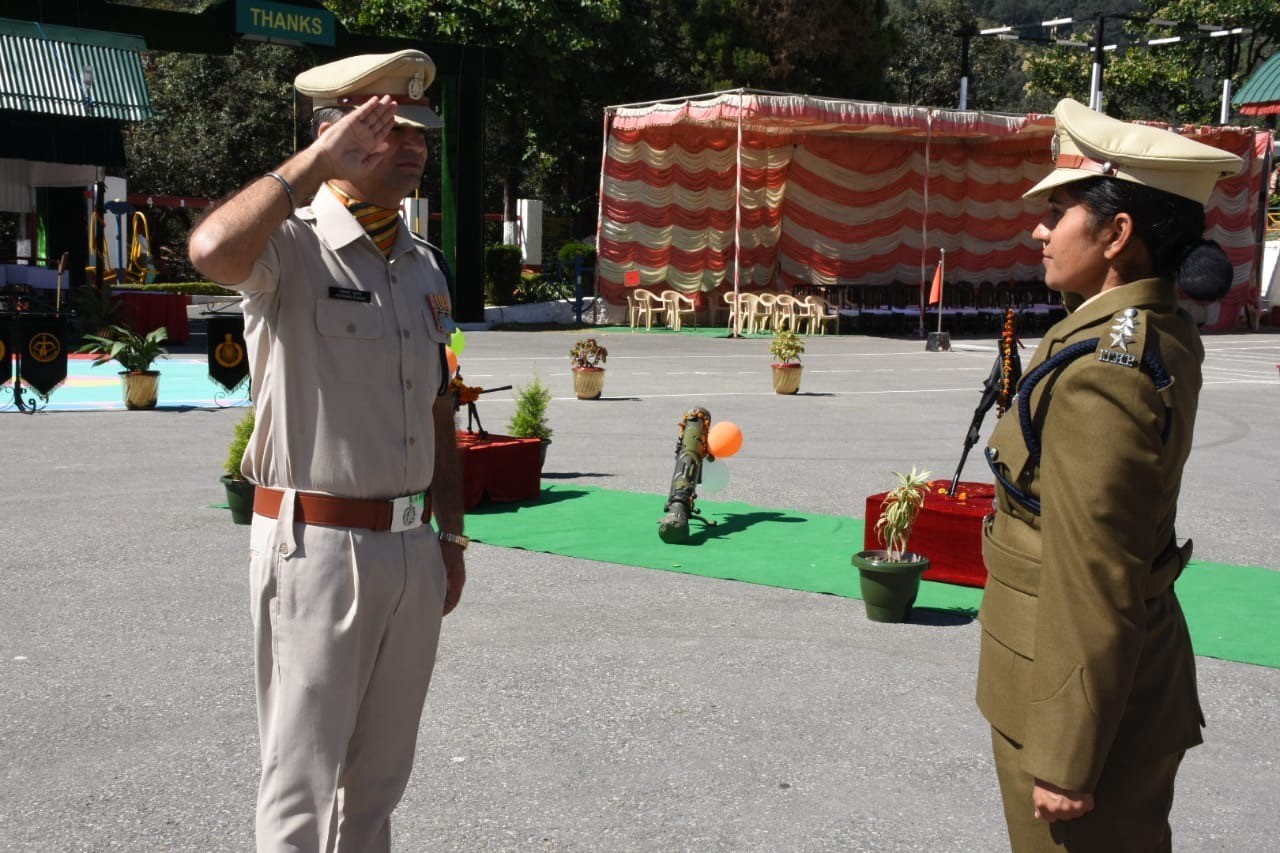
[338, 318]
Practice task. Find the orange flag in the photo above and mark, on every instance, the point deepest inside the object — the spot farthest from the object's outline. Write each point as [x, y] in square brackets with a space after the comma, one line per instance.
[935, 292]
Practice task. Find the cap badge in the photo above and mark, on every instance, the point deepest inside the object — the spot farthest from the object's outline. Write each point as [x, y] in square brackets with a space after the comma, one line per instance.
[1054, 147]
[416, 87]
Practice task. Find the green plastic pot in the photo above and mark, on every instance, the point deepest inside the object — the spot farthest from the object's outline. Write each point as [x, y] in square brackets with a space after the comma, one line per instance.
[239, 499]
[889, 587]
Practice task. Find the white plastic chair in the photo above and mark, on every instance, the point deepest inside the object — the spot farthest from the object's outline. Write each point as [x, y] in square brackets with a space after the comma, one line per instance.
[677, 305]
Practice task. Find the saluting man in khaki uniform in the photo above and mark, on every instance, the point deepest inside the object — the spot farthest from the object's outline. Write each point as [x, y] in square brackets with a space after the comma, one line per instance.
[346, 317]
[1086, 671]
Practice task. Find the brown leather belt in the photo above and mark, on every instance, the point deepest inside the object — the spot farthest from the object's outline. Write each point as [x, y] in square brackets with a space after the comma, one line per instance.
[331, 511]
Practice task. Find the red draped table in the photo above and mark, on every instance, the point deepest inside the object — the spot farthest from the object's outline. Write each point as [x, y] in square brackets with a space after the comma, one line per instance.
[148, 311]
[501, 467]
[948, 531]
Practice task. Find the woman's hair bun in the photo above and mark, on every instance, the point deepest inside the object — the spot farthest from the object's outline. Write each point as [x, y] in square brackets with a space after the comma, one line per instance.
[1205, 272]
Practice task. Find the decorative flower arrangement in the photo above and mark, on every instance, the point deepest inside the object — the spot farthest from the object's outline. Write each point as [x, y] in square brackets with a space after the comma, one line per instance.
[587, 354]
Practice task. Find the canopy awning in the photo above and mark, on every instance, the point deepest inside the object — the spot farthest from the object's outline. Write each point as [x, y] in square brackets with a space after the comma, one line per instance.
[1261, 95]
[67, 71]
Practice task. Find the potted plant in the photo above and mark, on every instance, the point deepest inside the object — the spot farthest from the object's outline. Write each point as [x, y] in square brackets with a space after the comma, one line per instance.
[786, 348]
[588, 376]
[135, 353]
[530, 417]
[890, 578]
[239, 490]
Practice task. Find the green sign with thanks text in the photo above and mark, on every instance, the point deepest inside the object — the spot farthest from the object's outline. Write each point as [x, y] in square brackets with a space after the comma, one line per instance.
[280, 22]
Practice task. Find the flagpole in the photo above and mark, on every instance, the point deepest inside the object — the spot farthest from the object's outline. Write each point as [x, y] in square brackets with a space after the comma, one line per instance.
[942, 283]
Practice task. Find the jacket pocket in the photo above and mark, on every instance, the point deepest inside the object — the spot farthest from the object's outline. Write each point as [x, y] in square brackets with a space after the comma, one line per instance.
[337, 318]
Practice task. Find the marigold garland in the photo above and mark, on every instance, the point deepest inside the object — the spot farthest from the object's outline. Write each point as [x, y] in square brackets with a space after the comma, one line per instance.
[464, 394]
[1008, 352]
[701, 415]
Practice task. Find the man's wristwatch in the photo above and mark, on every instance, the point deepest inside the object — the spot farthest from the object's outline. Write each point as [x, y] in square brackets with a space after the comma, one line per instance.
[455, 538]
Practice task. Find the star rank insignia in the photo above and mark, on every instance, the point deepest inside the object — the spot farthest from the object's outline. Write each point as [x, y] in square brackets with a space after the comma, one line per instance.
[1122, 331]
[1122, 334]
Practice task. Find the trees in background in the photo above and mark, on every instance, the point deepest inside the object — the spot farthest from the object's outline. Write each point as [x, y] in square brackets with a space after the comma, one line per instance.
[220, 120]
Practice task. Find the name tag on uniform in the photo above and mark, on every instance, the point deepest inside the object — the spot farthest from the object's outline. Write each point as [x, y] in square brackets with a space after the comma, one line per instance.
[348, 295]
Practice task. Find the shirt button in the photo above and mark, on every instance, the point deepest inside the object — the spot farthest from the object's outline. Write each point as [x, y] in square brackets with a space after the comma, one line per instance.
[404, 332]
[408, 384]
[394, 279]
[351, 328]
[412, 441]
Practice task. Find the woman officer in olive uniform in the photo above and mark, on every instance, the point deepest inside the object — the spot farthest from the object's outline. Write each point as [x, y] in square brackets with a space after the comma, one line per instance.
[1086, 672]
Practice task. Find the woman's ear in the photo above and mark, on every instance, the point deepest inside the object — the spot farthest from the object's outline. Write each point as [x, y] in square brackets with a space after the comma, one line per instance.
[1119, 235]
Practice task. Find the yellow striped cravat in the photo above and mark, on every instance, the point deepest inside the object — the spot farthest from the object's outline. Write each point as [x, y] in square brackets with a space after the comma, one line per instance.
[379, 223]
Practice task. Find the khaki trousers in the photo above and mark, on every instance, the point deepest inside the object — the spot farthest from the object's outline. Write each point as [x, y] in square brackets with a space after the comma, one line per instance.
[346, 624]
[1130, 814]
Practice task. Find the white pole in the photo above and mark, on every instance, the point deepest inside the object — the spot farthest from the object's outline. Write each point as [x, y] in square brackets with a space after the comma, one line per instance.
[964, 93]
[942, 283]
[1225, 115]
[737, 228]
[924, 221]
[1095, 88]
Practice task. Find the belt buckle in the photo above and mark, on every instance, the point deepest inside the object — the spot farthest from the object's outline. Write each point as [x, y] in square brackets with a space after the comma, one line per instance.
[406, 512]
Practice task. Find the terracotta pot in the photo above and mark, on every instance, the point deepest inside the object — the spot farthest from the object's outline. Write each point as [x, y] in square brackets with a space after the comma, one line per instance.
[889, 588]
[141, 390]
[588, 382]
[786, 378]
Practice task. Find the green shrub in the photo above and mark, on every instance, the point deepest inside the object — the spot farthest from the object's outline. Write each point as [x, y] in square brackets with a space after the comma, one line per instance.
[530, 417]
[239, 441]
[569, 251]
[535, 287]
[502, 272]
[191, 288]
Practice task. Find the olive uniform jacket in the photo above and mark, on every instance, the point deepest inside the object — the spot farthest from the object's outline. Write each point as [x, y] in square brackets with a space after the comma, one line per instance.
[1085, 656]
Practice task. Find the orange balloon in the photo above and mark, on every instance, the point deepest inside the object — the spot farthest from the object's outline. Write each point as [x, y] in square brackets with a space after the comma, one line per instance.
[724, 440]
[453, 360]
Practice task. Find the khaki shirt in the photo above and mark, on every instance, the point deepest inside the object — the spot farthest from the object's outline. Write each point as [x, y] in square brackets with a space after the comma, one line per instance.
[1085, 655]
[345, 357]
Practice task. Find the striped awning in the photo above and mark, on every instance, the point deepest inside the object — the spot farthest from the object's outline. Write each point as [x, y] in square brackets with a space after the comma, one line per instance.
[1260, 96]
[69, 71]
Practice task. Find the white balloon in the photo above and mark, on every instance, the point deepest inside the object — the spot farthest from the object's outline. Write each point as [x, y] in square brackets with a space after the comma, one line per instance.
[715, 476]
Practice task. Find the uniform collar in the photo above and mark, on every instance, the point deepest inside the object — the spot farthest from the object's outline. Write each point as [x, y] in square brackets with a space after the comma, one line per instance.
[338, 228]
[334, 223]
[1152, 293]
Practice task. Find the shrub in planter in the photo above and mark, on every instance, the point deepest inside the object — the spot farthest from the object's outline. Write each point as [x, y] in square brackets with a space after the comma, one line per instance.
[239, 490]
[502, 272]
[586, 357]
[530, 417]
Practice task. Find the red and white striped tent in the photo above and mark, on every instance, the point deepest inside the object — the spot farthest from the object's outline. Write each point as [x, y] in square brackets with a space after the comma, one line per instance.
[756, 190]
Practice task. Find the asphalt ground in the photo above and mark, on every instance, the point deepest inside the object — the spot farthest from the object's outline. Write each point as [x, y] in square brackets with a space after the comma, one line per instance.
[584, 706]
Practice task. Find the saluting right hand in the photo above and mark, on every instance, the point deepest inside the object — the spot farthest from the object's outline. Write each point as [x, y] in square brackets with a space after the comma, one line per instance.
[353, 147]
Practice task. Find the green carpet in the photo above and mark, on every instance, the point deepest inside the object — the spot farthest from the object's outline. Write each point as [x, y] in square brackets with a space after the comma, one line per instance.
[1231, 609]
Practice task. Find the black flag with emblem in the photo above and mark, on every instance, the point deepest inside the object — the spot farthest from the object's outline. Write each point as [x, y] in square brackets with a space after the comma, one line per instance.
[6, 348]
[228, 360]
[42, 353]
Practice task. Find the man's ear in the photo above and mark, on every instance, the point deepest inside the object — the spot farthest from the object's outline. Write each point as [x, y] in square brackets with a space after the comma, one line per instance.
[324, 125]
[1119, 233]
